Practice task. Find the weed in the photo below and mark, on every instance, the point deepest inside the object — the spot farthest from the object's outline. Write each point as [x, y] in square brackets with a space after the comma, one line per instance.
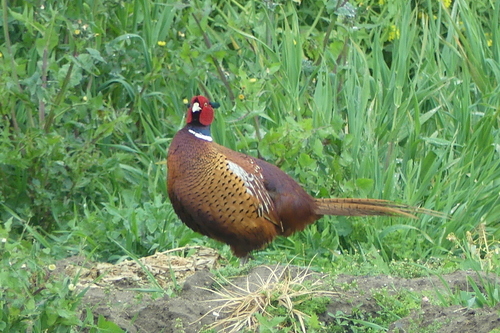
[290, 298]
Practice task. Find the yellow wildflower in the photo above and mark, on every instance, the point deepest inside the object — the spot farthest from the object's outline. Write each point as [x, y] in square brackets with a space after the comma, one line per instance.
[446, 3]
[241, 96]
[489, 40]
[468, 234]
[393, 33]
[424, 15]
[162, 43]
[451, 237]
[77, 32]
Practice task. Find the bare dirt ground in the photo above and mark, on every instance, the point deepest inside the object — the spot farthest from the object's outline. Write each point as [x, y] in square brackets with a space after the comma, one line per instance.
[119, 294]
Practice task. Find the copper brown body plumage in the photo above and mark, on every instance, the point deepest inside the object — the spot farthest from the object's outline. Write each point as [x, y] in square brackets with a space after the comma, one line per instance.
[241, 200]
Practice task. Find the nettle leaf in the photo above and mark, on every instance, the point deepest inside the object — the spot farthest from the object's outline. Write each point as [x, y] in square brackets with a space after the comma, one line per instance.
[86, 62]
[75, 76]
[47, 43]
[344, 227]
[306, 162]
[95, 54]
[364, 184]
[317, 147]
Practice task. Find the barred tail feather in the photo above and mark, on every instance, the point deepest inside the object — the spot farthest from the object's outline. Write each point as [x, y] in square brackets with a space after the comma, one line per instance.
[361, 207]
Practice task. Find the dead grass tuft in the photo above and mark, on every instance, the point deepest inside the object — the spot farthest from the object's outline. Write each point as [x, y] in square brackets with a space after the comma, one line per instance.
[281, 288]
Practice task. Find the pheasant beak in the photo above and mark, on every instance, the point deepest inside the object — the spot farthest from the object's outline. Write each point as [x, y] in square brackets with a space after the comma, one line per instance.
[196, 107]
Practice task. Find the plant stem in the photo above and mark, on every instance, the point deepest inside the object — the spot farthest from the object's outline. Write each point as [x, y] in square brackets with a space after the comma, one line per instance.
[216, 62]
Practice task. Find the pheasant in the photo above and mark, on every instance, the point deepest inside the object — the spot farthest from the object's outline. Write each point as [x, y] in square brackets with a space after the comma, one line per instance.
[241, 200]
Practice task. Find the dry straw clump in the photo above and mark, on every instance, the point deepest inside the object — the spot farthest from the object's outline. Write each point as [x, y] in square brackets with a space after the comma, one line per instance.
[282, 287]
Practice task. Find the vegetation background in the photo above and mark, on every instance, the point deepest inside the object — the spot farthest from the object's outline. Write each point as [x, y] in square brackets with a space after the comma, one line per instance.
[395, 100]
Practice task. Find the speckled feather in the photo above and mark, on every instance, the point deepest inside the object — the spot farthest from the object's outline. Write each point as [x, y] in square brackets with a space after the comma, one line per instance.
[212, 199]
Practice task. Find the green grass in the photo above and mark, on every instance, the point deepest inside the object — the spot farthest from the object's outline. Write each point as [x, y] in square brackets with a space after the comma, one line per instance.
[365, 99]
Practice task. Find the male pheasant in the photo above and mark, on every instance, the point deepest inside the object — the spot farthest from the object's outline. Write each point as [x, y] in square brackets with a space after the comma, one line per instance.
[241, 200]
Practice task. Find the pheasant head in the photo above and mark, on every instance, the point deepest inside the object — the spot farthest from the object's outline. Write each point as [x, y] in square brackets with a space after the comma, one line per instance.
[201, 111]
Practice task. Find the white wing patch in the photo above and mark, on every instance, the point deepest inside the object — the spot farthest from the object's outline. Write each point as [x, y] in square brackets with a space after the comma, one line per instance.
[254, 186]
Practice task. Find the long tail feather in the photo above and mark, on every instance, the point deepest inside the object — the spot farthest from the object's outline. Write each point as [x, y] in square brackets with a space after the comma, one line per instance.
[360, 207]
